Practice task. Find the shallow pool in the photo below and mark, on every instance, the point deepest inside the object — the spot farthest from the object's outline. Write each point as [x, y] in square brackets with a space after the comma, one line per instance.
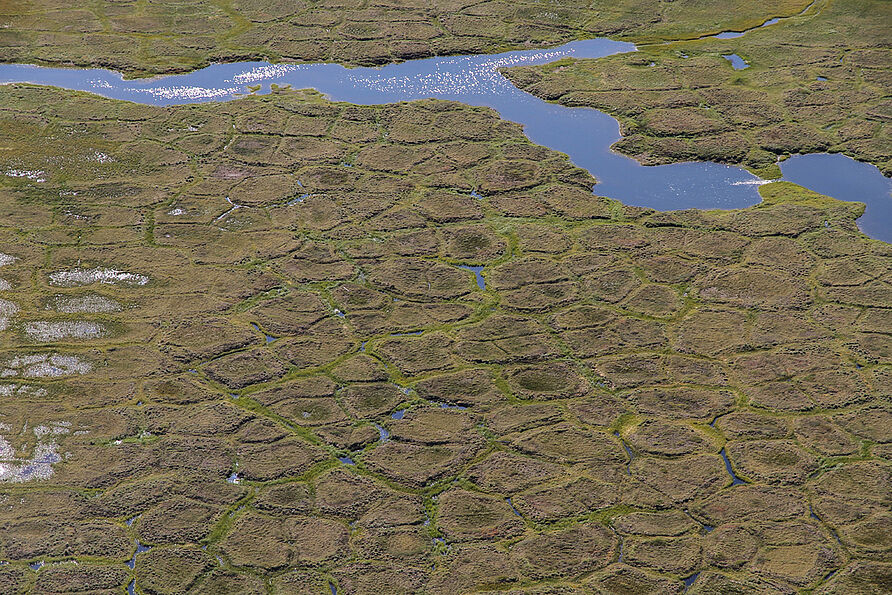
[736, 61]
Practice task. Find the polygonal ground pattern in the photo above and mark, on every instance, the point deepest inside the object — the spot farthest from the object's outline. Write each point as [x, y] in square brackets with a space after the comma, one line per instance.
[170, 36]
[308, 390]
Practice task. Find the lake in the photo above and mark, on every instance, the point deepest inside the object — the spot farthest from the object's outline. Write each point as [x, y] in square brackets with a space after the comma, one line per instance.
[582, 133]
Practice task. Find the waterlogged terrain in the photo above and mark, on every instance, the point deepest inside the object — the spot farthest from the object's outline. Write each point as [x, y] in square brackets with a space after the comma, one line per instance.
[586, 135]
[813, 82]
[322, 342]
[162, 36]
[287, 345]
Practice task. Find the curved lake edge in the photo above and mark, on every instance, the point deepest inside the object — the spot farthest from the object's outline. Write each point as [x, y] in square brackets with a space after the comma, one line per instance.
[142, 75]
[586, 135]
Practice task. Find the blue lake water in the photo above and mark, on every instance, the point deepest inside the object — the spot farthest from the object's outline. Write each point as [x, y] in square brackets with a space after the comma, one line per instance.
[846, 179]
[736, 61]
[582, 133]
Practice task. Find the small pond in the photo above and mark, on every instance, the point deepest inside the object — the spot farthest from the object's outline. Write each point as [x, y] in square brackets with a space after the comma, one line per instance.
[736, 61]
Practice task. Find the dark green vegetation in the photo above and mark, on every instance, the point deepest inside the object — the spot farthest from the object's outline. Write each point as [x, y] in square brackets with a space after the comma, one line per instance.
[684, 101]
[614, 354]
[139, 37]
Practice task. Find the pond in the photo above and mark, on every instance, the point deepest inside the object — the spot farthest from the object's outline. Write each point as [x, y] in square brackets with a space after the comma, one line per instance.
[582, 133]
[736, 61]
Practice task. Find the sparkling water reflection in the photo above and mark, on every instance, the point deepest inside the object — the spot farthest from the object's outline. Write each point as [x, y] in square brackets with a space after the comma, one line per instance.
[582, 133]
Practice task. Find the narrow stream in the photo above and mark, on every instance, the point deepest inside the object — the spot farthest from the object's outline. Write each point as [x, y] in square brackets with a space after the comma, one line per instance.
[582, 133]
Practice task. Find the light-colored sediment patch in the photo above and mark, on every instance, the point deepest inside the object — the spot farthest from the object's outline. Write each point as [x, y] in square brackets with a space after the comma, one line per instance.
[37, 175]
[16, 469]
[73, 215]
[8, 309]
[6, 259]
[5, 285]
[44, 365]
[27, 390]
[76, 277]
[81, 304]
[100, 157]
[44, 331]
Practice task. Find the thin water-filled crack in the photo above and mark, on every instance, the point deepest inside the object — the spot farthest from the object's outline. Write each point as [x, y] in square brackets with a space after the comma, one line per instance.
[628, 452]
[734, 479]
[234, 208]
[298, 199]
[690, 581]
[444, 405]
[706, 528]
[513, 509]
[140, 548]
[383, 434]
[269, 338]
[736, 34]
[478, 274]
[812, 515]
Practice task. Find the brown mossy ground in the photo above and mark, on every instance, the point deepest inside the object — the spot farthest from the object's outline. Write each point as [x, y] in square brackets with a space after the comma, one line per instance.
[815, 82]
[314, 391]
[144, 38]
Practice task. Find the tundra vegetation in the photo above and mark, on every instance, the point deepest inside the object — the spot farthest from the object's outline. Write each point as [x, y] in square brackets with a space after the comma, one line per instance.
[239, 353]
[160, 36]
[814, 82]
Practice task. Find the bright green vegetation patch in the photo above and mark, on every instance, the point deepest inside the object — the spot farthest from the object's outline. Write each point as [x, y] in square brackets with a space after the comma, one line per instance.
[815, 82]
[141, 38]
[222, 340]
